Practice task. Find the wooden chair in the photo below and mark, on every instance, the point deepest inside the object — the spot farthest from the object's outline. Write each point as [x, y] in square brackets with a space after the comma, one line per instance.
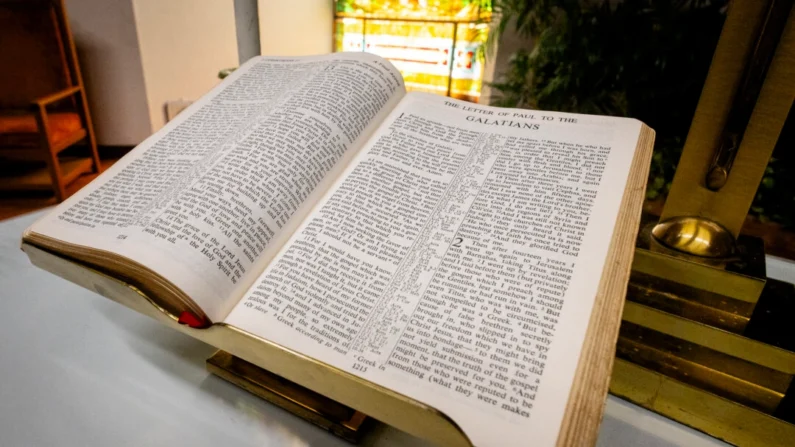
[43, 108]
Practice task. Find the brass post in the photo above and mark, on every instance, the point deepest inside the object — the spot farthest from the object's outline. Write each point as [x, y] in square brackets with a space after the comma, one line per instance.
[703, 221]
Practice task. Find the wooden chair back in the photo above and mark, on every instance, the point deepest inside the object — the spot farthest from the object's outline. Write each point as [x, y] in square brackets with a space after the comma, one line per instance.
[43, 107]
[35, 58]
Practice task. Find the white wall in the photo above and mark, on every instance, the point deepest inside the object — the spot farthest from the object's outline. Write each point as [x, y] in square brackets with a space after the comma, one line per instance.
[136, 55]
[296, 27]
[183, 45]
[107, 47]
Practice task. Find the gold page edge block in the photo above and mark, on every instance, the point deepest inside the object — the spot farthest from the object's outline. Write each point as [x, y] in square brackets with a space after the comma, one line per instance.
[699, 409]
[366, 397]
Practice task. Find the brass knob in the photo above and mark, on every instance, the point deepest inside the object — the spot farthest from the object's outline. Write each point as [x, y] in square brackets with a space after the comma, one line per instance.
[696, 236]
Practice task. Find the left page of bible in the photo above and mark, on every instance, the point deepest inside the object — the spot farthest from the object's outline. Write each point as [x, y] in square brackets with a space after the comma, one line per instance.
[209, 199]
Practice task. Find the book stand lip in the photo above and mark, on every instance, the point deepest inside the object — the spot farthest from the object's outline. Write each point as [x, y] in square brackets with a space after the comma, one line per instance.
[338, 419]
[381, 403]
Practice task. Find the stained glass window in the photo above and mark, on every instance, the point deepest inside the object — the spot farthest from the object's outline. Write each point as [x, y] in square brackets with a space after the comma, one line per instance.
[436, 45]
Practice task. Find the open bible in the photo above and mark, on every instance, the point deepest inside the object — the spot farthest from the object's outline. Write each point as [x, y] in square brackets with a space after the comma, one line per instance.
[469, 257]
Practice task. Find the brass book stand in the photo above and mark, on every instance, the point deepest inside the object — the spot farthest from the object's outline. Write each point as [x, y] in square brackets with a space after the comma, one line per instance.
[701, 340]
[705, 337]
[258, 366]
[330, 415]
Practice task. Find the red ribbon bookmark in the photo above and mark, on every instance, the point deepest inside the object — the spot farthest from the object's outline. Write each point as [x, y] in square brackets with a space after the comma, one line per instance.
[191, 320]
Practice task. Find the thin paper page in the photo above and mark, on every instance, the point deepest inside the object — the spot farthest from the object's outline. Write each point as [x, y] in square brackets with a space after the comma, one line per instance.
[209, 199]
[457, 261]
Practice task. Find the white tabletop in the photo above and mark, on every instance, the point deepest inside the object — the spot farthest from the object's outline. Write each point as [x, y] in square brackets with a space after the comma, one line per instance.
[77, 369]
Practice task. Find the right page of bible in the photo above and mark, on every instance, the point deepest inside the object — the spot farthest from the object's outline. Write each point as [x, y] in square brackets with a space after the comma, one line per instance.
[456, 261]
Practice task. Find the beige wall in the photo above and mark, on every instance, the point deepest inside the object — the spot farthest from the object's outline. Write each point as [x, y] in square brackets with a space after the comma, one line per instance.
[107, 47]
[136, 55]
[295, 27]
[183, 44]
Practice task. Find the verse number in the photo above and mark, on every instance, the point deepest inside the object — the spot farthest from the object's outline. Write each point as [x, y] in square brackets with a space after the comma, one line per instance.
[457, 242]
[359, 367]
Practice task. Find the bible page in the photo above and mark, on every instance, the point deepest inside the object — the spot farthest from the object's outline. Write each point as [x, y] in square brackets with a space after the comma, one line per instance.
[209, 199]
[456, 261]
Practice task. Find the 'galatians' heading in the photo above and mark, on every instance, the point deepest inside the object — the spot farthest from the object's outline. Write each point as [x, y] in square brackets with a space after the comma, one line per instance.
[499, 122]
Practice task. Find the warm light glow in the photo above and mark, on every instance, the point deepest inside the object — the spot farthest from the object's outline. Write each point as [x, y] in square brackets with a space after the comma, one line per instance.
[421, 45]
